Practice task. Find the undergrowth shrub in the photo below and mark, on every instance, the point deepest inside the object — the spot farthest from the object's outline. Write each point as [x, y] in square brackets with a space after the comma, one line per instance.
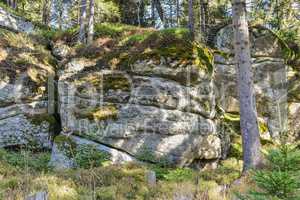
[88, 156]
[25, 159]
[280, 180]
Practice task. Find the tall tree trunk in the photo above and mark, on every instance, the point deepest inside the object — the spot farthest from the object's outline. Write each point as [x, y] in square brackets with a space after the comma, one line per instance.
[91, 22]
[82, 31]
[10, 3]
[248, 122]
[152, 13]
[14, 4]
[191, 18]
[203, 16]
[171, 13]
[160, 11]
[141, 12]
[177, 13]
[46, 12]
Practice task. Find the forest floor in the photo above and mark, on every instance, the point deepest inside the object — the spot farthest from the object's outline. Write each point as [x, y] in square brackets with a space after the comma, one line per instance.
[24, 172]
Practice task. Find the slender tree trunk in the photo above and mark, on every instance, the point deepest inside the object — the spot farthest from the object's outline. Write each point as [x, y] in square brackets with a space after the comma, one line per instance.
[10, 3]
[141, 12]
[14, 4]
[91, 22]
[191, 18]
[82, 31]
[203, 16]
[177, 13]
[248, 122]
[152, 12]
[171, 13]
[46, 12]
[160, 11]
[78, 12]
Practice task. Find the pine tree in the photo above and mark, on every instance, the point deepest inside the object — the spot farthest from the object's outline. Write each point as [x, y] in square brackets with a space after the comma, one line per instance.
[248, 123]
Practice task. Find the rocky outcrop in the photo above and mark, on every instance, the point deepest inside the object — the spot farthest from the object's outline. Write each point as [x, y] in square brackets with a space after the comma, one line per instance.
[162, 110]
[269, 74]
[154, 107]
[150, 111]
[24, 89]
[15, 23]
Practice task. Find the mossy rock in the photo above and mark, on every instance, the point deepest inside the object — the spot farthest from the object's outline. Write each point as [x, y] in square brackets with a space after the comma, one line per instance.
[116, 82]
[100, 113]
[66, 145]
[39, 119]
[105, 82]
[131, 44]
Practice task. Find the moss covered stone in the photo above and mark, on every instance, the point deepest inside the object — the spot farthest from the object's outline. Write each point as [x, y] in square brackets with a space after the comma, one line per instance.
[105, 82]
[66, 145]
[99, 113]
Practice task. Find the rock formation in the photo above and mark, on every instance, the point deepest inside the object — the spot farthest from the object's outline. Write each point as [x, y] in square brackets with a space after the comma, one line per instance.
[158, 108]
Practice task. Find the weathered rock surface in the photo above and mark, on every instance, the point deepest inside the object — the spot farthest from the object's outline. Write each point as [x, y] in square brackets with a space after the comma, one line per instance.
[149, 111]
[24, 94]
[61, 157]
[14, 22]
[60, 160]
[269, 74]
[294, 123]
[160, 109]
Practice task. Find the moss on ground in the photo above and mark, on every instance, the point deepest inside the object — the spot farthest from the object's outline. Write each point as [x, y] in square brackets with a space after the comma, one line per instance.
[118, 46]
[128, 181]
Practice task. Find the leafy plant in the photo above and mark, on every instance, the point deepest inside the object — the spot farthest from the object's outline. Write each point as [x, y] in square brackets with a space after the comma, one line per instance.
[88, 156]
[26, 159]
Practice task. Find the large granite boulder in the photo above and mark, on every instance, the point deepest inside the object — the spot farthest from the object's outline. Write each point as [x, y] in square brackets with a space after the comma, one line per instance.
[24, 89]
[269, 74]
[154, 110]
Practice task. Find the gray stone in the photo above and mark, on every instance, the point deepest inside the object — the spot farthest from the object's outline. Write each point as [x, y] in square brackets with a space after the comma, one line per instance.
[294, 124]
[38, 196]
[269, 75]
[151, 178]
[148, 110]
[263, 42]
[60, 50]
[14, 22]
[60, 160]
[115, 156]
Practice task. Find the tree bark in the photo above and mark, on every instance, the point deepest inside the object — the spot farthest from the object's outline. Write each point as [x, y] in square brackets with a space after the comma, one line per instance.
[160, 10]
[248, 115]
[82, 31]
[203, 16]
[46, 12]
[191, 18]
[152, 12]
[177, 13]
[171, 13]
[91, 22]
[14, 4]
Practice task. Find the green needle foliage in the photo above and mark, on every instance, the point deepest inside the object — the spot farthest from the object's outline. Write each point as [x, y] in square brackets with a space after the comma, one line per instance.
[281, 180]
